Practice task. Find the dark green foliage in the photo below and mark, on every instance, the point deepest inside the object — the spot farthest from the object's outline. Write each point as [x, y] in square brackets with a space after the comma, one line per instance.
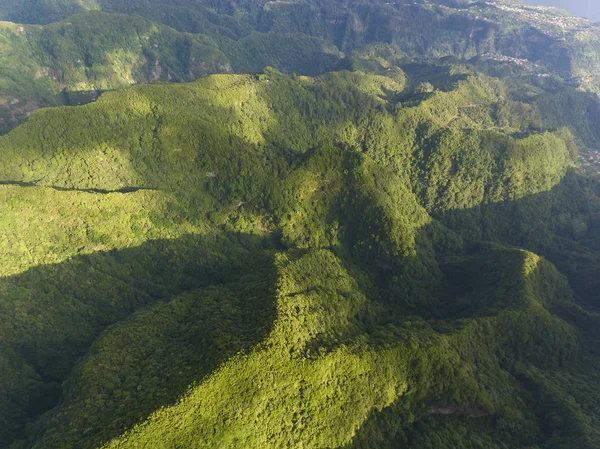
[165, 348]
[291, 53]
[275, 260]
[281, 260]
[91, 52]
[82, 298]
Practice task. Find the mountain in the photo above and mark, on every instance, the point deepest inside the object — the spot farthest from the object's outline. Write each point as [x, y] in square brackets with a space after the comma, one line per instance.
[72, 61]
[182, 192]
[388, 239]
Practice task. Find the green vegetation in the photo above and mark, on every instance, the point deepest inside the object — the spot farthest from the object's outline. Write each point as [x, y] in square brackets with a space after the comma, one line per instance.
[563, 44]
[74, 61]
[383, 239]
[279, 260]
[69, 51]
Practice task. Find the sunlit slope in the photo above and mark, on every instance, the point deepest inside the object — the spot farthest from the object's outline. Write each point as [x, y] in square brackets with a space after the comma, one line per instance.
[541, 38]
[80, 48]
[289, 249]
[334, 370]
[73, 61]
[177, 137]
[328, 367]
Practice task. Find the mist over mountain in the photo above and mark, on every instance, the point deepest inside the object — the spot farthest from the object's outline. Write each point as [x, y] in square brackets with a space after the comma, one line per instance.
[318, 224]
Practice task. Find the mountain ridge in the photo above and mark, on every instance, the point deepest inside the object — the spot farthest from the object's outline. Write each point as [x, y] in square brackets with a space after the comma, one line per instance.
[288, 161]
[401, 250]
[244, 37]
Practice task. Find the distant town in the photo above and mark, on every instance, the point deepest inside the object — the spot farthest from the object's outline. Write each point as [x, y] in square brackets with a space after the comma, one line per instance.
[590, 161]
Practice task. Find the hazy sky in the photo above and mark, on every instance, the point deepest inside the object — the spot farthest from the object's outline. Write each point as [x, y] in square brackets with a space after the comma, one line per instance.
[584, 8]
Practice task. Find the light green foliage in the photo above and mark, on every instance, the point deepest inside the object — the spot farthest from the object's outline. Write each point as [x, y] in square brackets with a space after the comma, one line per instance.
[89, 50]
[65, 223]
[274, 260]
[301, 383]
[73, 61]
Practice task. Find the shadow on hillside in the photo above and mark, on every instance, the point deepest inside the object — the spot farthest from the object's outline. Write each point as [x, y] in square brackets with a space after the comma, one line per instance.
[561, 225]
[519, 335]
[50, 315]
[186, 305]
[440, 76]
[496, 285]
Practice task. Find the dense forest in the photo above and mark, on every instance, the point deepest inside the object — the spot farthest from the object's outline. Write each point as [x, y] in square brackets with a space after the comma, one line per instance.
[384, 238]
[67, 52]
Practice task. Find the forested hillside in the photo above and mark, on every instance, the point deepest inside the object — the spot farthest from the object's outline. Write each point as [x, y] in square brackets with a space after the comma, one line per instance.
[71, 60]
[328, 228]
[387, 238]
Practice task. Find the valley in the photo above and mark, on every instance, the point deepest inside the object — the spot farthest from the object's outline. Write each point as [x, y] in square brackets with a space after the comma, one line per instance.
[305, 224]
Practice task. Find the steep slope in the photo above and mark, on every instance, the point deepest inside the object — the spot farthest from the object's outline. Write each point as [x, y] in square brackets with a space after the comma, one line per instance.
[361, 377]
[541, 35]
[283, 260]
[74, 61]
[106, 51]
